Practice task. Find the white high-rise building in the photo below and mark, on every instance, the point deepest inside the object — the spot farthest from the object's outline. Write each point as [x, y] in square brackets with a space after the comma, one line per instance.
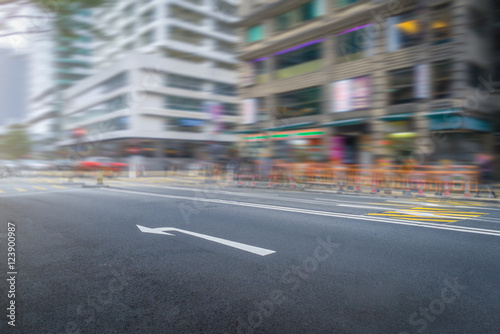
[165, 82]
[56, 62]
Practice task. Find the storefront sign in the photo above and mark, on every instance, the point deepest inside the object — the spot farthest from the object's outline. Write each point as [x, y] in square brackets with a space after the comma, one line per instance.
[249, 111]
[422, 80]
[351, 94]
[459, 122]
[337, 148]
[301, 134]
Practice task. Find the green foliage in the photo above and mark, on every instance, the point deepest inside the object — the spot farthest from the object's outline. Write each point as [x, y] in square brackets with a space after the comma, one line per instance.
[16, 143]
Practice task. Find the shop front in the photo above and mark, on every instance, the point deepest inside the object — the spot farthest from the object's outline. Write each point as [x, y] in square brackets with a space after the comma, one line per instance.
[459, 138]
[399, 136]
[286, 146]
[349, 142]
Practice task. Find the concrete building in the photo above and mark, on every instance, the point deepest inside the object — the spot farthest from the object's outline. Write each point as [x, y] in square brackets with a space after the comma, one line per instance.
[56, 62]
[355, 80]
[165, 82]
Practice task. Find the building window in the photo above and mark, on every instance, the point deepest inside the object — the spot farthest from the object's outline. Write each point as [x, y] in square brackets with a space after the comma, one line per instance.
[477, 22]
[184, 125]
[184, 14]
[186, 36]
[306, 12]
[128, 30]
[148, 17]
[475, 73]
[299, 61]
[354, 44]
[231, 109]
[343, 3]
[255, 33]
[442, 73]
[441, 24]
[117, 103]
[184, 82]
[303, 102]
[184, 103]
[262, 114]
[147, 38]
[224, 28]
[224, 89]
[224, 47]
[403, 31]
[116, 82]
[401, 86]
[129, 10]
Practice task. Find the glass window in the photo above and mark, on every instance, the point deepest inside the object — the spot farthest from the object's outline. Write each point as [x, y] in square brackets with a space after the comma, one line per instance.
[354, 44]
[184, 103]
[403, 31]
[184, 82]
[303, 55]
[118, 81]
[303, 102]
[224, 89]
[303, 13]
[343, 3]
[148, 17]
[477, 21]
[442, 72]
[401, 86]
[441, 24]
[255, 33]
[475, 73]
[231, 109]
[147, 38]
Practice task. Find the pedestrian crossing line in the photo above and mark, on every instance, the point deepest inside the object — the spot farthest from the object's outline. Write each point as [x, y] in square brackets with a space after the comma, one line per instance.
[40, 188]
[1, 191]
[59, 187]
[429, 214]
[21, 189]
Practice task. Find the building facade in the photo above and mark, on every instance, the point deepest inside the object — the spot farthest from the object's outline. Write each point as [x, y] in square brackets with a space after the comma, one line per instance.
[57, 61]
[355, 80]
[165, 85]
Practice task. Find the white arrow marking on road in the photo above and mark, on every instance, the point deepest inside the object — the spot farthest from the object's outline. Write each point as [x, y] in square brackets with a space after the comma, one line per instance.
[234, 244]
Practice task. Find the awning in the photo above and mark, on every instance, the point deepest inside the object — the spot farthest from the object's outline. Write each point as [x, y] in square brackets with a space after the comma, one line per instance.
[345, 122]
[395, 118]
[437, 113]
[290, 126]
[243, 132]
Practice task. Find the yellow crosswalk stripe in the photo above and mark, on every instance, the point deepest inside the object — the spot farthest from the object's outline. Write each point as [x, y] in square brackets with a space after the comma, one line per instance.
[20, 189]
[40, 188]
[59, 187]
[1, 191]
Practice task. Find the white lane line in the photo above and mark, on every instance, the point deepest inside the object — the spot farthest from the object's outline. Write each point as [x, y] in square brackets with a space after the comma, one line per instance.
[321, 213]
[38, 193]
[234, 244]
[381, 207]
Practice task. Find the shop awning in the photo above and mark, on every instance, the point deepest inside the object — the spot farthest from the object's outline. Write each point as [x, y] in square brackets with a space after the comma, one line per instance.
[345, 122]
[437, 113]
[243, 132]
[290, 126]
[395, 118]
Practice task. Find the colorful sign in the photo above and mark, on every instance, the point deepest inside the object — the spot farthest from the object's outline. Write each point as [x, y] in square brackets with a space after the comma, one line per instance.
[300, 134]
[249, 111]
[422, 79]
[351, 94]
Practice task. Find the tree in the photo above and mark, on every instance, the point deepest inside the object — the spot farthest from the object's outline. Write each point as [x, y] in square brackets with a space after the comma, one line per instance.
[49, 16]
[16, 143]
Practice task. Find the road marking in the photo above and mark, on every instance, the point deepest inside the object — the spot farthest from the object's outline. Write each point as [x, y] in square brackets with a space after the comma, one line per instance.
[21, 189]
[1, 191]
[40, 188]
[430, 214]
[234, 244]
[59, 187]
[462, 229]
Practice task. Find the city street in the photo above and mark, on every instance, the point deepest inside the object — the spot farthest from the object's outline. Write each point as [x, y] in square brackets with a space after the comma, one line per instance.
[165, 257]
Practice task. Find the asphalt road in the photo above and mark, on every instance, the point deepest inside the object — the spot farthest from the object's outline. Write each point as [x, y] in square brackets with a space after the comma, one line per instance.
[163, 258]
